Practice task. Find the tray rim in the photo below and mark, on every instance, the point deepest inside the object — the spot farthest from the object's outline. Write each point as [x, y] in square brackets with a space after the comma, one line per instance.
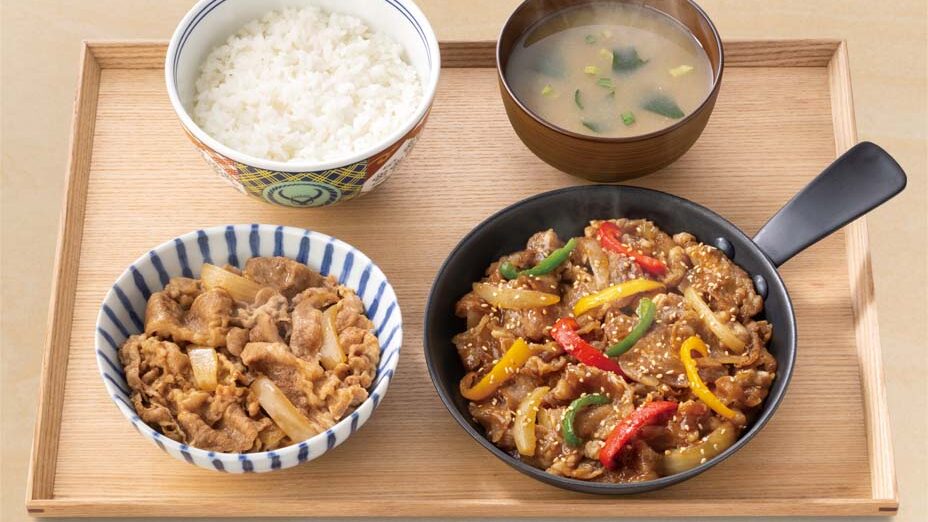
[97, 55]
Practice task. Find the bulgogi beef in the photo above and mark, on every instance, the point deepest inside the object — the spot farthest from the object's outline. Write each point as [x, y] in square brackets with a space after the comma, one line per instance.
[623, 355]
[252, 360]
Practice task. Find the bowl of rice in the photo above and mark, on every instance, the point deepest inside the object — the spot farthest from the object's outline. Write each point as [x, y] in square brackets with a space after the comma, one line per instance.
[303, 103]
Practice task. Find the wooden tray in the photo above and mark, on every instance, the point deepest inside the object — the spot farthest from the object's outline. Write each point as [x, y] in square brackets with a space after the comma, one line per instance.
[784, 112]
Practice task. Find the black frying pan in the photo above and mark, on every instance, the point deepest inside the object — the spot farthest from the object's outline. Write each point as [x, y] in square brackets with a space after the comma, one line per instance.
[854, 184]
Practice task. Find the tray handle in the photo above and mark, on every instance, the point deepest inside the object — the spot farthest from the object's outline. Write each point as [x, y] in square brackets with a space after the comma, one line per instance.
[860, 180]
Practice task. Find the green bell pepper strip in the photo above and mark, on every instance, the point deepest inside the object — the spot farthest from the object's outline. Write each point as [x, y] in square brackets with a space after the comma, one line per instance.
[645, 312]
[547, 265]
[567, 425]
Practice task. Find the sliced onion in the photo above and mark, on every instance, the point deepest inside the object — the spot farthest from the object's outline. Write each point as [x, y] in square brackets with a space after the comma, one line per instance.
[331, 354]
[523, 431]
[682, 459]
[205, 364]
[515, 298]
[240, 288]
[279, 408]
[599, 262]
[720, 330]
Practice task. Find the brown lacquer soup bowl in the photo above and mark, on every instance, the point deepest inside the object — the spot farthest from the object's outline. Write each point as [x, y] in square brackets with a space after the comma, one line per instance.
[608, 159]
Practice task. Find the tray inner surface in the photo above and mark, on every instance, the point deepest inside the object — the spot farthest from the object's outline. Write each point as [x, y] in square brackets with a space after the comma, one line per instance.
[772, 131]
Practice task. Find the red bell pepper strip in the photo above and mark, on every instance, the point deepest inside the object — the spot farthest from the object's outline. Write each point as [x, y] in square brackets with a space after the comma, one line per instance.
[657, 412]
[565, 333]
[609, 234]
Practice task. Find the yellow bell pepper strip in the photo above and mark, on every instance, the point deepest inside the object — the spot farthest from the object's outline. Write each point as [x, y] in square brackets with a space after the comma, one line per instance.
[546, 266]
[688, 457]
[695, 344]
[722, 331]
[609, 236]
[657, 412]
[515, 298]
[646, 310]
[523, 430]
[567, 425]
[511, 361]
[614, 293]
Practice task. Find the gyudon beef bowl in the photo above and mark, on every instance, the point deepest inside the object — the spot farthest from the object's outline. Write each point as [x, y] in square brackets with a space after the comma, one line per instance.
[249, 347]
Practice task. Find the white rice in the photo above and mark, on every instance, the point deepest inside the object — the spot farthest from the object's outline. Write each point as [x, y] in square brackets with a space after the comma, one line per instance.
[305, 85]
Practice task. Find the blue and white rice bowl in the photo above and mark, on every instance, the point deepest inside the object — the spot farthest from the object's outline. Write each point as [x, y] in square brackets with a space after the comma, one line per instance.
[123, 311]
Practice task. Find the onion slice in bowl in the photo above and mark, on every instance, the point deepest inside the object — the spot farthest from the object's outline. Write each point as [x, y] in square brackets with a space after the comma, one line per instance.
[240, 288]
[523, 430]
[331, 354]
[723, 332]
[279, 408]
[205, 364]
[682, 459]
[514, 298]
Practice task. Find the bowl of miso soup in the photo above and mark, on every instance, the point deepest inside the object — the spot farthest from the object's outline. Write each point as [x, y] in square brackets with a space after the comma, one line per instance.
[609, 90]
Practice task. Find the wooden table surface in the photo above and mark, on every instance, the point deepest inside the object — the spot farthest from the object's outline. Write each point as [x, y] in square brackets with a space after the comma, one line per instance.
[888, 43]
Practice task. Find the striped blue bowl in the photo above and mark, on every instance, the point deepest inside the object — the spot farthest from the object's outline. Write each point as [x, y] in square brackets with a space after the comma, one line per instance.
[123, 311]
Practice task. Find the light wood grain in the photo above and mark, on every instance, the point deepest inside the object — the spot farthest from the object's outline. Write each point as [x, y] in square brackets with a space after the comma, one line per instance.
[145, 184]
[780, 53]
[882, 468]
[41, 479]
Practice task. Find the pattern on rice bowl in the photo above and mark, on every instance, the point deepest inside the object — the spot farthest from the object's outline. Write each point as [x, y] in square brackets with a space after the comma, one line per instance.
[310, 189]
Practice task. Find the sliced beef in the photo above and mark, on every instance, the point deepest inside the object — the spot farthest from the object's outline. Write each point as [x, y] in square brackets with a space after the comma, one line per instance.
[320, 297]
[306, 338]
[574, 465]
[291, 374]
[638, 463]
[183, 290]
[496, 419]
[472, 308]
[745, 390]
[351, 312]
[477, 346]
[205, 323]
[578, 379]
[724, 284]
[323, 397]
[236, 340]
[287, 276]
[234, 432]
[269, 306]
[154, 368]
[538, 247]
[549, 445]
[363, 354]
[547, 361]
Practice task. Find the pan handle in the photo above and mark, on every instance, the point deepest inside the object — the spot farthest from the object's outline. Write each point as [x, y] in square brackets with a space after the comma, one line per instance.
[856, 183]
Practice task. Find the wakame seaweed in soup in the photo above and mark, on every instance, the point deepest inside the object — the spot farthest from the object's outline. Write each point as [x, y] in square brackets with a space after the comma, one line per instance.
[610, 69]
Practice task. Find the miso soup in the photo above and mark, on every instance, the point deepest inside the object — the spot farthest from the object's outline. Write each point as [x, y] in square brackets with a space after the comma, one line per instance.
[609, 69]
